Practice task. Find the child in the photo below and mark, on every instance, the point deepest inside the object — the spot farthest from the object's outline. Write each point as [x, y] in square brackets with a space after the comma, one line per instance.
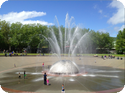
[19, 75]
[47, 81]
[63, 90]
[24, 74]
[43, 64]
[14, 65]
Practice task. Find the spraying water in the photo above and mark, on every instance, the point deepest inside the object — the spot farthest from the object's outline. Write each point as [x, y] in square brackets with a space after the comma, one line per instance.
[69, 42]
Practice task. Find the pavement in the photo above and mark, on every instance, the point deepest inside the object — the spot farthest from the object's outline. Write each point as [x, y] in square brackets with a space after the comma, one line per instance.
[95, 82]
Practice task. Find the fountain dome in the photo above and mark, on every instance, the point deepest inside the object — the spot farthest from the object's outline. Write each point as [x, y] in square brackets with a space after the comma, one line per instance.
[64, 67]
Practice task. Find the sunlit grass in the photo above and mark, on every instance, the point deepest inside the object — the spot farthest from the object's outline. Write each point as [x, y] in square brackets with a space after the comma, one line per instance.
[117, 55]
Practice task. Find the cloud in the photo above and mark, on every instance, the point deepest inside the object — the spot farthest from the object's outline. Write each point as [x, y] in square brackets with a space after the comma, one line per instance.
[116, 28]
[95, 6]
[23, 17]
[100, 11]
[2, 1]
[122, 1]
[122, 27]
[119, 16]
[105, 16]
[102, 30]
[41, 22]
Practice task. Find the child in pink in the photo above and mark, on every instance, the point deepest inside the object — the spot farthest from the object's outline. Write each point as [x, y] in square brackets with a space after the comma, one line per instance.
[43, 64]
[47, 81]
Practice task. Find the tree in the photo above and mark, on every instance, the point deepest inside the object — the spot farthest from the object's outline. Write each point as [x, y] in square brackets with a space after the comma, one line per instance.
[5, 33]
[120, 42]
[101, 41]
[15, 33]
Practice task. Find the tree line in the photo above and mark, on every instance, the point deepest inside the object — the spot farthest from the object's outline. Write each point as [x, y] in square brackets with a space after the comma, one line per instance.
[120, 42]
[18, 36]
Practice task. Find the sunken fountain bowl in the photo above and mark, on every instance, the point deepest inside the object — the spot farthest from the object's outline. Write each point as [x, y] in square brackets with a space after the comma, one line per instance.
[64, 67]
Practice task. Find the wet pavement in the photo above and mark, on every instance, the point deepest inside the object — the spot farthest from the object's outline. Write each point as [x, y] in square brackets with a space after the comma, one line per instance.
[97, 78]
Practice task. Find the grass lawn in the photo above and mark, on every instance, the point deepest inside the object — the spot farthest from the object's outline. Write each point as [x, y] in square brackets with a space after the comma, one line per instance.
[117, 55]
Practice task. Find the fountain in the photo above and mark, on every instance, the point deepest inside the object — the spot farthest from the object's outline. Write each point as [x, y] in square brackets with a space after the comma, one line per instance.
[102, 76]
[68, 44]
[64, 67]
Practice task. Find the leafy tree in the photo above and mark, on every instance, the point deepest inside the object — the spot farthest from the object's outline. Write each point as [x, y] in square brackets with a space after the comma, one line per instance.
[101, 41]
[5, 33]
[120, 42]
[15, 33]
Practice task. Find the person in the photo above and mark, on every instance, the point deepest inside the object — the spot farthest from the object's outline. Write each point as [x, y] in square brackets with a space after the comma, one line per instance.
[102, 57]
[21, 54]
[43, 53]
[19, 75]
[63, 89]
[47, 81]
[24, 74]
[4, 51]
[95, 61]
[43, 64]
[111, 56]
[10, 54]
[105, 56]
[14, 65]
[45, 77]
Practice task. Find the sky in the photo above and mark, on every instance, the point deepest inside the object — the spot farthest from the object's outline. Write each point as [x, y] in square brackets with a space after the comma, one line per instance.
[100, 15]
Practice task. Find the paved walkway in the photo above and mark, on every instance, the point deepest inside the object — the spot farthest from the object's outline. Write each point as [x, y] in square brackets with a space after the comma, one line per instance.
[7, 65]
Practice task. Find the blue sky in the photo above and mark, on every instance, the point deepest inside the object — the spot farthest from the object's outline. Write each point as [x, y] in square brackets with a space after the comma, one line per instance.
[106, 16]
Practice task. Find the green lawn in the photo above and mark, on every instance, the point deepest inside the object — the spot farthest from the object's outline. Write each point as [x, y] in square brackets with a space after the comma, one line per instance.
[117, 55]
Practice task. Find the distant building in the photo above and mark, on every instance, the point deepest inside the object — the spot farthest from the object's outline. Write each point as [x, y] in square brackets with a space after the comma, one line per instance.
[113, 50]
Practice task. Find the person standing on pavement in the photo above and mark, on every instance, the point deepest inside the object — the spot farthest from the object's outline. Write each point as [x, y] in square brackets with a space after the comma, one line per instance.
[45, 77]
[24, 74]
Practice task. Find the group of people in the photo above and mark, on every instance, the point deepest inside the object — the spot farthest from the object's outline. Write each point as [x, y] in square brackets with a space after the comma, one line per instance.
[46, 82]
[14, 53]
[10, 53]
[19, 75]
[109, 56]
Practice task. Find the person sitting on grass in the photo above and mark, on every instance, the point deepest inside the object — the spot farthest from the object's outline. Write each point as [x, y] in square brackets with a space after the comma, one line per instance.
[10, 54]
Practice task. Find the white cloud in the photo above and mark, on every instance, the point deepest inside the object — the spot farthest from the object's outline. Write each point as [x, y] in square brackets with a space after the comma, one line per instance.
[116, 28]
[41, 22]
[23, 17]
[102, 30]
[122, 1]
[2, 1]
[100, 11]
[95, 6]
[105, 16]
[119, 16]
[122, 27]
